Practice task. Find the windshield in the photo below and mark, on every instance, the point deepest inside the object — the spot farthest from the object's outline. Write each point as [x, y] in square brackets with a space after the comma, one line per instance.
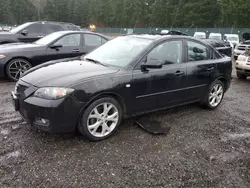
[120, 51]
[19, 28]
[48, 39]
[232, 38]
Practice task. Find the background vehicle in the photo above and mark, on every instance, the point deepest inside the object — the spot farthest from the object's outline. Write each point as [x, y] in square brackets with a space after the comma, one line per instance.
[127, 76]
[16, 58]
[242, 65]
[232, 38]
[215, 36]
[164, 31]
[222, 46]
[32, 31]
[241, 48]
[7, 28]
[200, 35]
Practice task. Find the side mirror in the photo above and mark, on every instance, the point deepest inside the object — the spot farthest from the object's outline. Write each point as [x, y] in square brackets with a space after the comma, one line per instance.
[24, 32]
[56, 46]
[152, 64]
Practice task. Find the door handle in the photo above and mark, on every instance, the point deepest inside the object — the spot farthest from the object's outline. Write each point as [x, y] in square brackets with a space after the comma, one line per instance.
[210, 69]
[179, 73]
[40, 36]
[76, 50]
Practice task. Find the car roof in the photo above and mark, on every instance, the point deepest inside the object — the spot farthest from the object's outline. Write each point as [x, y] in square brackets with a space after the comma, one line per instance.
[81, 32]
[156, 37]
[231, 35]
[199, 32]
[214, 42]
[53, 22]
[215, 34]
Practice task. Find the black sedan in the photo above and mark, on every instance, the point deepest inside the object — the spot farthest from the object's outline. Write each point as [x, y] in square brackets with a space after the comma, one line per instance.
[16, 58]
[127, 76]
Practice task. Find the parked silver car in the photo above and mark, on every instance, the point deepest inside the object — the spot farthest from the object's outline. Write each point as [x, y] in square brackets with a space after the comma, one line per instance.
[241, 48]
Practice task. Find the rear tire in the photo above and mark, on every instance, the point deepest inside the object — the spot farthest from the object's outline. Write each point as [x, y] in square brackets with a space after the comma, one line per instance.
[241, 76]
[100, 120]
[214, 95]
[16, 67]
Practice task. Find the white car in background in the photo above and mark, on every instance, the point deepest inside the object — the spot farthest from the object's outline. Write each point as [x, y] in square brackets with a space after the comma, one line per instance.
[215, 36]
[200, 35]
[164, 31]
[242, 65]
[232, 38]
[241, 48]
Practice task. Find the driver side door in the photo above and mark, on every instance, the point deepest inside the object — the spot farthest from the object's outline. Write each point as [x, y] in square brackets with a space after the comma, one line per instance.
[166, 86]
[70, 46]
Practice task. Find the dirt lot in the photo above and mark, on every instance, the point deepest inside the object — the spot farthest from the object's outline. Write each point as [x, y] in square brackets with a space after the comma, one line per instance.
[203, 149]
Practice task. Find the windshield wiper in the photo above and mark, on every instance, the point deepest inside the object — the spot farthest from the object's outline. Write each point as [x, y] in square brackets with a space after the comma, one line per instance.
[95, 61]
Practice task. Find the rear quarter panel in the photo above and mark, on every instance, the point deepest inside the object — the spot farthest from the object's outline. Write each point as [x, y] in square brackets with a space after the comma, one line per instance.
[224, 69]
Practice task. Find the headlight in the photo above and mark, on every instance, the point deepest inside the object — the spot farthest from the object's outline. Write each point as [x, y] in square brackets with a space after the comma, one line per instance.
[52, 93]
[2, 56]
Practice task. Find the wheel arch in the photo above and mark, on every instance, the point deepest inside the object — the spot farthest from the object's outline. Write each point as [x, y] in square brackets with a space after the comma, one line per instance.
[116, 96]
[224, 81]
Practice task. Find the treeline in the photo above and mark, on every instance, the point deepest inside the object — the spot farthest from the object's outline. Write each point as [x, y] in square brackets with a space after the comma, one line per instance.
[130, 13]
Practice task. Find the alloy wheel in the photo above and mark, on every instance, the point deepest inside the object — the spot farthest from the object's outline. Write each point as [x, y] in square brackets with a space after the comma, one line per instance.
[216, 95]
[16, 68]
[103, 119]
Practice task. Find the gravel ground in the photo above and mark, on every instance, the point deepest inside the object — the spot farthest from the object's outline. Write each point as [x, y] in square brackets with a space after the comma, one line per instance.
[203, 149]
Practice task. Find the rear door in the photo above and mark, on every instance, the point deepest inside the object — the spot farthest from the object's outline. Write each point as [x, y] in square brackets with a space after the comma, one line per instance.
[92, 41]
[201, 68]
[71, 47]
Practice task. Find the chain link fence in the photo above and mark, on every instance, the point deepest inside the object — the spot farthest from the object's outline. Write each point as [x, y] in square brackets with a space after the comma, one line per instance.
[189, 31]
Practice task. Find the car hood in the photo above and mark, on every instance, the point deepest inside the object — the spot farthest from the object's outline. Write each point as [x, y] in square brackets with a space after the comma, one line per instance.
[10, 47]
[65, 73]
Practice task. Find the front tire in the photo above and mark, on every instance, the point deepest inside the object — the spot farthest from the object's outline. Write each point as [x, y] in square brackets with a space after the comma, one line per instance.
[16, 67]
[100, 119]
[214, 95]
[241, 76]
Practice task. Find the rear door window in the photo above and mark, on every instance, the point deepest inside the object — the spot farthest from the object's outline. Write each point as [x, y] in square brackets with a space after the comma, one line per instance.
[73, 28]
[53, 28]
[198, 52]
[93, 40]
